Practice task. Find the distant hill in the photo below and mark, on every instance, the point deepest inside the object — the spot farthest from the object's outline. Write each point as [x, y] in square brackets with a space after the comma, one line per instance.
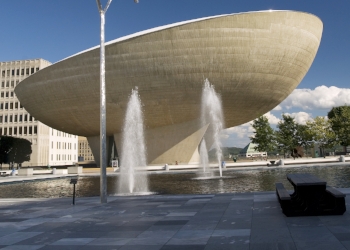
[226, 151]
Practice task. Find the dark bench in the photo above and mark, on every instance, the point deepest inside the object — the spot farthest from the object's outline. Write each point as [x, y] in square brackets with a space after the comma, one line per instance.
[334, 201]
[284, 199]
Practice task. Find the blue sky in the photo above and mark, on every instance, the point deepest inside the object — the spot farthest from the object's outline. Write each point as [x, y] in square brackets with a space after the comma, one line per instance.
[55, 29]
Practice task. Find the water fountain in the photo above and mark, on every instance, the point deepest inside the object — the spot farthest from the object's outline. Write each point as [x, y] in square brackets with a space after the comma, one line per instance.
[211, 113]
[133, 153]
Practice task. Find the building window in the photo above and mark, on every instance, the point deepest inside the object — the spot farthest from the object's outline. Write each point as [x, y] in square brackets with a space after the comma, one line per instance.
[7, 84]
[0, 131]
[15, 130]
[25, 118]
[8, 72]
[20, 118]
[20, 130]
[35, 130]
[12, 84]
[5, 131]
[27, 71]
[0, 118]
[37, 69]
[17, 72]
[11, 105]
[6, 105]
[25, 130]
[2, 84]
[1, 106]
[52, 144]
[10, 118]
[2, 94]
[16, 105]
[30, 130]
[10, 131]
[15, 120]
[6, 94]
[13, 72]
[32, 70]
[22, 72]
[3, 73]
[5, 118]
[12, 94]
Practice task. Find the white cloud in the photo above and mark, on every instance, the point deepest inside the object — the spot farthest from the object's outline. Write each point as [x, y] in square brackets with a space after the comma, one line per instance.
[272, 119]
[321, 97]
[301, 117]
[278, 107]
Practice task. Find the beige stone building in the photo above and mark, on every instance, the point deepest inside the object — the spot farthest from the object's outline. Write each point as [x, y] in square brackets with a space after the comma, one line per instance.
[254, 60]
[49, 146]
[84, 150]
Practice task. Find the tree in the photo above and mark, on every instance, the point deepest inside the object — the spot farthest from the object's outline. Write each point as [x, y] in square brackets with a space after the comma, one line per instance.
[322, 133]
[21, 151]
[286, 134]
[264, 135]
[6, 144]
[14, 150]
[304, 136]
[339, 118]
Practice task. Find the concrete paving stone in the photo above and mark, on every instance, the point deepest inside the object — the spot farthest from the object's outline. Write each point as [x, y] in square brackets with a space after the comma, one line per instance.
[236, 223]
[169, 206]
[181, 214]
[346, 244]
[23, 247]
[305, 234]
[11, 226]
[44, 227]
[157, 234]
[319, 245]
[99, 247]
[59, 247]
[200, 226]
[193, 234]
[340, 229]
[137, 247]
[149, 241]
[17, 237]
[342, 236]
[230, 233]
[232, 240]
[305, 221]
[183, 247]
[171, 222]
[43, 239]
[263, 222]
[270, 235]
[165, 228]
[109, 241]
[273, 246]
[73, 241]
[122, 234]
[227, 247]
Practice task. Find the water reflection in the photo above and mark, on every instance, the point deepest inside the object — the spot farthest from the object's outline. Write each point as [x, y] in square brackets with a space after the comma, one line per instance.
[167, 183]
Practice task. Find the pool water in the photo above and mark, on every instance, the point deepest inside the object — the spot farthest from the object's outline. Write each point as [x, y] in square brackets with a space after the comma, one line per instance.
[178, 183]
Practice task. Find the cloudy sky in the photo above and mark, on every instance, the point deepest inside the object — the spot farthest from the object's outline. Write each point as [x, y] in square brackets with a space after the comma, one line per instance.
[56, 29]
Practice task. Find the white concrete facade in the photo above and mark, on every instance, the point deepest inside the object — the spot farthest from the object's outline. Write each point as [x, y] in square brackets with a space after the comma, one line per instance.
[16, 121]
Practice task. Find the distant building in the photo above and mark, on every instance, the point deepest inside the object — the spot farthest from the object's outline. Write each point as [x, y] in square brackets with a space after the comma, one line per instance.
[84, 150]
[249, 151]
[49, 146]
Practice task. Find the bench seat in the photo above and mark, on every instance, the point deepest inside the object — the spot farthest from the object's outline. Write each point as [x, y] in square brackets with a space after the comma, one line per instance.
[282, 192]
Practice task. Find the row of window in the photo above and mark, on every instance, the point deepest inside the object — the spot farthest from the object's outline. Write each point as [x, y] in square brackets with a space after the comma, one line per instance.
[63, 157]
[64, 145]
[26, 130]
[62, 134]
[8, 84]
[7, 94]
[17, 72]
[10, 105]
[16, 118]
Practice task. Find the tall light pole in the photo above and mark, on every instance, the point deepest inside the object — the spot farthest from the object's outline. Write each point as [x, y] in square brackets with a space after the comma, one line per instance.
[103, 147]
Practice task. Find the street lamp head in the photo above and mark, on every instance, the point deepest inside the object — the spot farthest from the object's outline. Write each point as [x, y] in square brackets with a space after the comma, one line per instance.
[136, 1]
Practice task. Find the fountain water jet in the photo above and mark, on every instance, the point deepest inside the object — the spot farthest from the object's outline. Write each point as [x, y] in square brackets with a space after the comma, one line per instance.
[211, 113]
[133, 153]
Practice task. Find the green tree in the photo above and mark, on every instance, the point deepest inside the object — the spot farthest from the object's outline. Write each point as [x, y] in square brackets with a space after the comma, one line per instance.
[339, 118]
[6, 145]
[21, 151]
[304, 136]
[286, 135]
[322, 133]
[264, 135]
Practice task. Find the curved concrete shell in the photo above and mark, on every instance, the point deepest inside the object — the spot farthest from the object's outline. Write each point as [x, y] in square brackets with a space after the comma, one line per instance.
[255, 60]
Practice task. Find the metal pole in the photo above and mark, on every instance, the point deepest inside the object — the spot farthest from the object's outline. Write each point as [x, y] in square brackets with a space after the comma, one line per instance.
[103, 151]
[73, 194]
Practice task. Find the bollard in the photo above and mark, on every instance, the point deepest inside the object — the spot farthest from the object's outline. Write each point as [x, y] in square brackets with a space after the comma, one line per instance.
[73, 181]
[281, 162]
[342, 158]
[166, 166]
[54, 171]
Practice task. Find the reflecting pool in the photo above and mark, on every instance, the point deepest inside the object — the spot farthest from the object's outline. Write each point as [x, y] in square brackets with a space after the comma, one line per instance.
[178, 183]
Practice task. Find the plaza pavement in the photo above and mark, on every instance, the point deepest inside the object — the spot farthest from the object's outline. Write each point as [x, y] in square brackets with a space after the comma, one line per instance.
[169, 222]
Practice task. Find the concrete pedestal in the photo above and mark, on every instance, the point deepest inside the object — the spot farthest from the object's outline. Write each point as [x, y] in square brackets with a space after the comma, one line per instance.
[75, 170]
[25, 172]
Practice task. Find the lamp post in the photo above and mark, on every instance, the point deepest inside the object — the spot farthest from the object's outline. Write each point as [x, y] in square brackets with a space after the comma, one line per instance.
[103, 147]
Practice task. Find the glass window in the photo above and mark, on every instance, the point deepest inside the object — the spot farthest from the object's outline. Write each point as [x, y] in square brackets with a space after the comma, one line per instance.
[20, 130]
[8, 72]
[5, 118]
[15, 119]
[6, 105]
[5, 131]
[7, 94]
[0, 131]
[16, 105]
[7, 84]
[32, 70]
[3, 73]
[11, 105]
[2, 84]
[20, 117]
[22, 72]
[30, 130]
[27, 71]
[2, 94]
[35, 130]
[12, 84]
[1, 106]
[17, 72]
[25, 118]
[15, 130]
[10, 131]
[13, 72]
[37, 69]
[25, 130]
[12, 94]
[0, 118]
[10, 118]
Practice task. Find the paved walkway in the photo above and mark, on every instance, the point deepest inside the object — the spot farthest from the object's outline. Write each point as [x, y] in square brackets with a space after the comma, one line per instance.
[169, 222]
